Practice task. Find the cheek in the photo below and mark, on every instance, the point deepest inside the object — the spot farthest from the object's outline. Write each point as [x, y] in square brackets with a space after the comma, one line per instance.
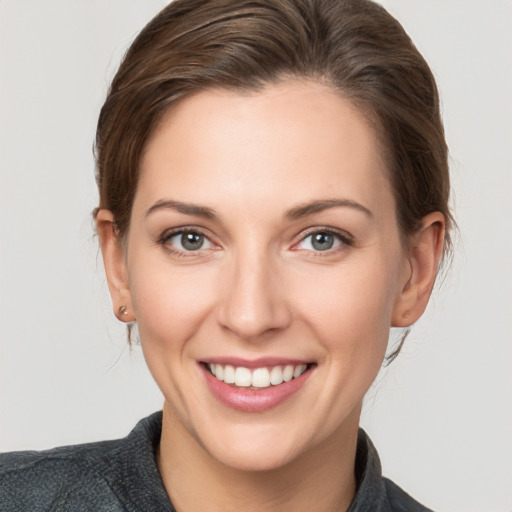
[351, 312]
[171, 308]
[170, 305]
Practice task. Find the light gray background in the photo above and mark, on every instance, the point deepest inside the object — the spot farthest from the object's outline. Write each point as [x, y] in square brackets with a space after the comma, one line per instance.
[441, 415]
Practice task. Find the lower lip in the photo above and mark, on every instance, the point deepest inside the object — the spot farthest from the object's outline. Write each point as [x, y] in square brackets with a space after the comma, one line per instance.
[254, 400]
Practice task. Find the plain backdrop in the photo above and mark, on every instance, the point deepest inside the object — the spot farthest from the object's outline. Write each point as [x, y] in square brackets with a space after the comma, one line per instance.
[440, 415]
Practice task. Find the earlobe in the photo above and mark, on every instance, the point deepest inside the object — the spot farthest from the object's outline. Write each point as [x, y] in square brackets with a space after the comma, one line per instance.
[115, 266]
[426, 248]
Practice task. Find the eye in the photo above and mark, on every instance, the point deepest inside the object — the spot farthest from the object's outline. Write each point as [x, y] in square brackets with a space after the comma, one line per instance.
[187, 241]
[322, 240]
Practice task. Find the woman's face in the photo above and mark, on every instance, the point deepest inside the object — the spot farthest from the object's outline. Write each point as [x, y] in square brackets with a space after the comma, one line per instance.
[263, 244]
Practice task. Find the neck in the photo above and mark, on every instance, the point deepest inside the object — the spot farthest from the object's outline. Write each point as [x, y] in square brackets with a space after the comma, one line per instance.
[322, 479]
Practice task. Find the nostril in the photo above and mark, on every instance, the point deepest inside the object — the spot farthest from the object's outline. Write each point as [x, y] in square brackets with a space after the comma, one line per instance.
[252, 302]
[251, 317]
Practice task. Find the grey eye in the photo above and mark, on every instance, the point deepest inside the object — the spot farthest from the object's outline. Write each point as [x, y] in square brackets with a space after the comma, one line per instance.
[322, 241]
[189, 241]
[192, 241]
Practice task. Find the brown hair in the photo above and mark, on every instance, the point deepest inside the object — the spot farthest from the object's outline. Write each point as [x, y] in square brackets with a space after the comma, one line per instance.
[354, 46]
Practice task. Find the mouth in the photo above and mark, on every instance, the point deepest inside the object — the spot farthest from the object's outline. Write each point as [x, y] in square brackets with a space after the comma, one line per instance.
[259, 377]
[255, 386]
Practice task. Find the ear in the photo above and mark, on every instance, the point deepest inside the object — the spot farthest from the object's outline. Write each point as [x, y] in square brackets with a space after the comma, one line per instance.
[425, 250]
[115, 266]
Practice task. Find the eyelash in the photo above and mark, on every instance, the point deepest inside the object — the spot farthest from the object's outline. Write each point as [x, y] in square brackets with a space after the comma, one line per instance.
[164, 239]
[345, 240]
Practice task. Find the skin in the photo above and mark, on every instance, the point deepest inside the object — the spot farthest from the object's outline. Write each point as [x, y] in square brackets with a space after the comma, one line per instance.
[258, 287]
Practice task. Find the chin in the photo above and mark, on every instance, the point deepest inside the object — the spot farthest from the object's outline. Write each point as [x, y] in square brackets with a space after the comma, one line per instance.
[255, 457]
[256, 446]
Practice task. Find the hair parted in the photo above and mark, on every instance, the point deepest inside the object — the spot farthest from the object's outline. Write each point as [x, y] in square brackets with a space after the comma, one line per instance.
[354, 46]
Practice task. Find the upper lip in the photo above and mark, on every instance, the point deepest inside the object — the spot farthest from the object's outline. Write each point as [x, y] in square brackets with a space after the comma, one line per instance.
[255, 363]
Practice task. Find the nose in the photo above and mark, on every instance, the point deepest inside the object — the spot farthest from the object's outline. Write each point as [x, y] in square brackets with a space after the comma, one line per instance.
[253, 299]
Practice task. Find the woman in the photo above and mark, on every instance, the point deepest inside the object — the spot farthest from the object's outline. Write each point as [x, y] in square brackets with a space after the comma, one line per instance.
[273, 198]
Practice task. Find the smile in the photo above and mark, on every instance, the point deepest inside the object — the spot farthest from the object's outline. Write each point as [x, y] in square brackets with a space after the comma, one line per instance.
[255, 385]
[257, 378]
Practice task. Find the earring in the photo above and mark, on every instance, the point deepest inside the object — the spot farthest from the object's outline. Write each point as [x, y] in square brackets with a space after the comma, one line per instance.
[123, 310]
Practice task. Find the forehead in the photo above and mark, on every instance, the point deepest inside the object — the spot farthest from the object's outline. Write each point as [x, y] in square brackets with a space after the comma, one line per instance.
[293, 139]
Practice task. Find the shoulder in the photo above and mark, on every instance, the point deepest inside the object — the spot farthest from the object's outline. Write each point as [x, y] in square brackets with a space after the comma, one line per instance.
[400, 501]
[108, 475]
[54, 479]
[376, 493]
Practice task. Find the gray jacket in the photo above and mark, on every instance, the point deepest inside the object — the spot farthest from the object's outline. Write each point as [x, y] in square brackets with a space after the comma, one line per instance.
[122, 475]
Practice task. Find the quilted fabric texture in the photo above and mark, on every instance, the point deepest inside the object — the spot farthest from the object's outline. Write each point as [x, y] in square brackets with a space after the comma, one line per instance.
[122, 475]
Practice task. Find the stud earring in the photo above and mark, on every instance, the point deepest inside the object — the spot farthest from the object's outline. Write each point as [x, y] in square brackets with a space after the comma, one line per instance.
[123, 310]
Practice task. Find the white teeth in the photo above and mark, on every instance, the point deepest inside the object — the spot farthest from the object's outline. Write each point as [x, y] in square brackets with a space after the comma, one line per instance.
[260, 378]
[229, 374]
[257, 378]
[299, 370]
[219, 371]
[288, 373]
[242, 377]
[276, 376]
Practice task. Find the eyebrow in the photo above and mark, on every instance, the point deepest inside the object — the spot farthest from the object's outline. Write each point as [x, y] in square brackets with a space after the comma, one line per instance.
[306, 209]
[295, 213]
[185, 208]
